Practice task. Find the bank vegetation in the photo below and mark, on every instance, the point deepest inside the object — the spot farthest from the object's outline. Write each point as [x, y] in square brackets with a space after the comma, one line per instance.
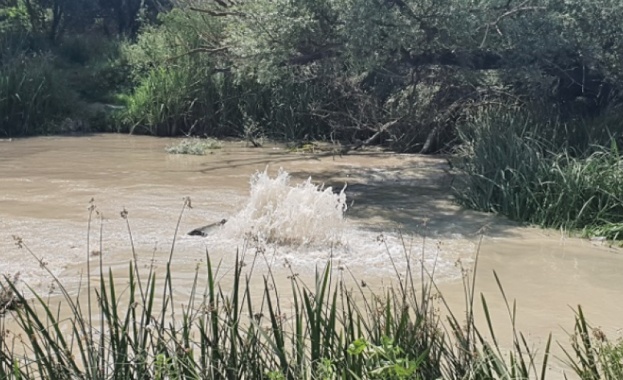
[401, 73]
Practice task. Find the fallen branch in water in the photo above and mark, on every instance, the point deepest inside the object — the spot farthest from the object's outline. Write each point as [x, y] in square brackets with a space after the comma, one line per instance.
[360, 144]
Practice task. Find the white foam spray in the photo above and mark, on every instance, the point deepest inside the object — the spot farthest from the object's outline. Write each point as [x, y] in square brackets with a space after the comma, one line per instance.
[281, 213]
[303, 225]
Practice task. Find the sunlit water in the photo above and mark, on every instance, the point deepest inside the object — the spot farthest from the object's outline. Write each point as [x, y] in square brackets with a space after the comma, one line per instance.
[299, 210]
[367, 213]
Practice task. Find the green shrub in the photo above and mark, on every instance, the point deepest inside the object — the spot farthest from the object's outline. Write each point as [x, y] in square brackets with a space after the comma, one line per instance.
[176, 91]
[399, 75]
[184, 88]
[500, 159]
[94, 65]
[167, 102]
[34, 95]
[13, 19]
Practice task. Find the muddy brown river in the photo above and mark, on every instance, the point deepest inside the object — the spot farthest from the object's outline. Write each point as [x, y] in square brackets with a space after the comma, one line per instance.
[390, 202]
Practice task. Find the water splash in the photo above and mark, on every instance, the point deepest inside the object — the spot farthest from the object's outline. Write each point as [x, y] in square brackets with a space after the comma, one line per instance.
[301, 226]
[282, 213]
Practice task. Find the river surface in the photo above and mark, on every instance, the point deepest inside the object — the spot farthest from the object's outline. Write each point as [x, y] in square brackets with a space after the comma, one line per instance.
[392, 201]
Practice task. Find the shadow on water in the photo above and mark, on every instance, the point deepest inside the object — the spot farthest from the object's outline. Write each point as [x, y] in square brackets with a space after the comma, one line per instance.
[239, 159]
[412, 198]
[274, 158]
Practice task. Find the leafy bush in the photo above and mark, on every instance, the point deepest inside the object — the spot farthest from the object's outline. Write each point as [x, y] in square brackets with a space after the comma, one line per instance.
[34, 96]
[42, 86]
[95, 66]
[76, 49]
[176, 90]
[408, 72]
[13, 19]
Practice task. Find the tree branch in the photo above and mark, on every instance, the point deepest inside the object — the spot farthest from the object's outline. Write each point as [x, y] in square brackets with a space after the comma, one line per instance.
[312, 57]
[218, 13]
[376, 135]
[494, 24]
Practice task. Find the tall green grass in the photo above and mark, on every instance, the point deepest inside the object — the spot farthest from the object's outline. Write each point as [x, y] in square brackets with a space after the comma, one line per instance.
[538, 173]
[33, 95]
[137, 329]
[43, 84]
[167, 102]
[592, 355]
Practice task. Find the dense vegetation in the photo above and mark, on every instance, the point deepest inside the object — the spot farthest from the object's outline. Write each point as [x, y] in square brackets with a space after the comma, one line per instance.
[560, 175]
[403, 73]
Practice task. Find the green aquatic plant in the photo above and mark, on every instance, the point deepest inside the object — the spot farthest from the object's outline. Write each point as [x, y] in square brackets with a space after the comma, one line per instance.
[506, 166]
[8, 299]
[194, 146]
[592, 355]
[34, 95]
